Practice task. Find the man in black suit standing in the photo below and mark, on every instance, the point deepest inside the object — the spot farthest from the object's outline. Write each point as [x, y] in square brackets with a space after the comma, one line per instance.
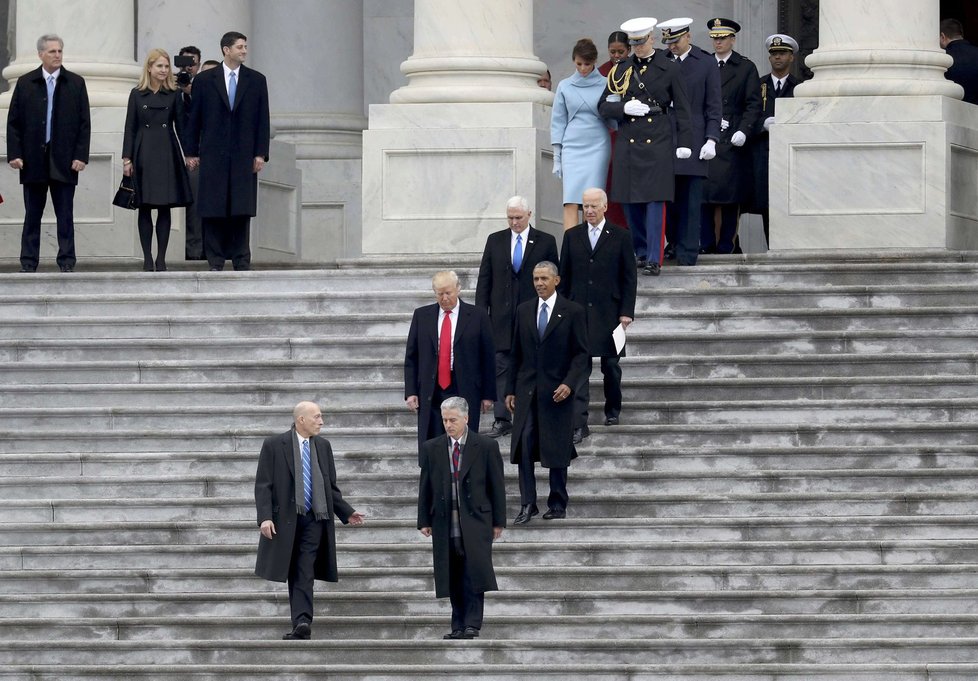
[449, 353]
[462, 507]
[227, 136]
[550, 355]
[597, 271]
[49, 130]
[505, 281]
[296, 497]
[964, 70]
[774, 86]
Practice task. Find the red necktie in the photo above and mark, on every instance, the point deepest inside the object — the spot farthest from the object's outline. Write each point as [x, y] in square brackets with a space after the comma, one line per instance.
[445, 352]
[456, 454]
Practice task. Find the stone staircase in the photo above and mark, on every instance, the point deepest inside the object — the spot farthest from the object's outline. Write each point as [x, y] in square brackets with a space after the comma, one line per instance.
[792, 494]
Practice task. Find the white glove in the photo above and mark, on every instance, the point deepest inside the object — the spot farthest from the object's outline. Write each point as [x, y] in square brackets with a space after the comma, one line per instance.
[709, 150]
[558, 168]
[724, 124]
[633, 107]
[738, 139]
[768, 122]
[683, 152]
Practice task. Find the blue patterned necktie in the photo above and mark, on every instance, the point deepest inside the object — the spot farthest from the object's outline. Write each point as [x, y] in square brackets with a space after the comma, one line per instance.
[232, 89]
[47, 130]
[542, 320]
[518, 253]
[306, 475]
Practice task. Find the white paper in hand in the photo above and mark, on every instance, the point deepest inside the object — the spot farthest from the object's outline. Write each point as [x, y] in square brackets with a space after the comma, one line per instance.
[618, 335]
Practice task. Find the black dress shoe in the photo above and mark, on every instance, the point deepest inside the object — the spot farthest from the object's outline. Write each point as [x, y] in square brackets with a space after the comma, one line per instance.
[670, 252]
[652, 269]
[302, 632]
[525, 514]
[457, 634]
[641, 262]
[28, 269]
[611, 421]
[470, 632]
[555, 514]
[500, 428]
[216, 269]
[580, 434]
[67, 268]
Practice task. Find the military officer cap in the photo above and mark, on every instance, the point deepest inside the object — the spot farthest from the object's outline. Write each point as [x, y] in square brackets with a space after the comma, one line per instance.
[779, 42]
[638, 29]
[721, 28]
[674, 29]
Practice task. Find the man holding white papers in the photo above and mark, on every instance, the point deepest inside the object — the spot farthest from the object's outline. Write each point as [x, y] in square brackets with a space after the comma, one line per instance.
[597, 271]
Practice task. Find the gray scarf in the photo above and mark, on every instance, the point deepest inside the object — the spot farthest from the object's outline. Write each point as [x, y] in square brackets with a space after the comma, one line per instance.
[319, 507]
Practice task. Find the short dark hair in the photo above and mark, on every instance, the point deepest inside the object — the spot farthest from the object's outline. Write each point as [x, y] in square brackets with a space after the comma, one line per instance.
[586, 50]
[618, 37]
[190, 49]
[211, 62]
[952, 28]
[230, 38]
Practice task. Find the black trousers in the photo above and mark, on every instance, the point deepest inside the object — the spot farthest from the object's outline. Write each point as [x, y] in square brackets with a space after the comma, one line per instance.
[308, 534]
[611, 370]
[688, 213]
[227, 239]
[499, 410]
[62, 199]
[467, 603]
[528, 483]
[729, 217]
[194, 248]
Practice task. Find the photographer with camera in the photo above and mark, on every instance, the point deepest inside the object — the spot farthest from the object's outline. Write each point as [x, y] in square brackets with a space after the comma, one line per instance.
[188, 63]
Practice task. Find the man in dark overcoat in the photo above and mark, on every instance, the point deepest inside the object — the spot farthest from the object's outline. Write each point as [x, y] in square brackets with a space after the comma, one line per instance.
[597, 271]
[639, 93]
[505, 281]
[296, 497]
[465, 368]
[729, 186]
[49, 131]
[229, 142]
[462, 507]
[778, 84]
[702, 79]
[550, 355]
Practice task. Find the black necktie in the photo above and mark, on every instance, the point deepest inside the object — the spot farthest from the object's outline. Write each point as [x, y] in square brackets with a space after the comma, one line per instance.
[722, 62]
[777, 88]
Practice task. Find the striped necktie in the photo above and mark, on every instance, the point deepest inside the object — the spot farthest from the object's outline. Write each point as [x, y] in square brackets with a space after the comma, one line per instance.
[306, 475]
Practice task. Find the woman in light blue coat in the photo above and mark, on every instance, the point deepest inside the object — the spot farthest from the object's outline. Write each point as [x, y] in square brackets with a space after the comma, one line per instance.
[578, 134]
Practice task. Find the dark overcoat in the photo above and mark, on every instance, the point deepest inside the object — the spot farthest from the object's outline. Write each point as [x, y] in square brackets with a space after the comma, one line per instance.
[481, 506]
[642, 161]
[500, 290]
[150, 141]
[731, 172]
[71, 126]
[228, 141]
[761, 142]
[964, 70]
[702, 79]
[275, 501]
[474, 366]
[539, 366]
[602, 281]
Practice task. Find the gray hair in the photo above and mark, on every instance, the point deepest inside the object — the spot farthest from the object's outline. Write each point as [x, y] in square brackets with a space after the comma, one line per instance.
[457, 403]
[546, 265]
[518, 202]
[601, 192]
[445, 276]
[46, 38]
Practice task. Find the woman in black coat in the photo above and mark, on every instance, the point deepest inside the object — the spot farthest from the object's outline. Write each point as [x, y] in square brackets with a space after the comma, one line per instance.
[151, 154]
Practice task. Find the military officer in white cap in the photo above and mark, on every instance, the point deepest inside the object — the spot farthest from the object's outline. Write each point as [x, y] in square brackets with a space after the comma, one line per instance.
[774, 86]
[639, 92]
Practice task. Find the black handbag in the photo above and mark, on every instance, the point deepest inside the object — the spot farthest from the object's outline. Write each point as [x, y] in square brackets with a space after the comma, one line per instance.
[125, 196]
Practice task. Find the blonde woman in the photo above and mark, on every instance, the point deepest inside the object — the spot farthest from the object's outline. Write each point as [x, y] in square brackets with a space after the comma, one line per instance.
[151, 154]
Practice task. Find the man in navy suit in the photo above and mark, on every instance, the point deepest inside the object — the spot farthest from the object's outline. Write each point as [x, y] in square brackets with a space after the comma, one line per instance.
[49, 130]
[449, 353]
[228, 138]
[964, 70]
[505, 281]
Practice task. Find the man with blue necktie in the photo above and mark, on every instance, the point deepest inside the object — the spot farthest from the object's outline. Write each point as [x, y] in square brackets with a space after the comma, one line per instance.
[296, 498]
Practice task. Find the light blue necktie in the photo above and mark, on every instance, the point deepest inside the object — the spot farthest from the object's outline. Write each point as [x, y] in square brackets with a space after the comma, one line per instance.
[542, 320]
[47, 131]
[232, 89]
[593, 236]
[306, 475]
[518, 253]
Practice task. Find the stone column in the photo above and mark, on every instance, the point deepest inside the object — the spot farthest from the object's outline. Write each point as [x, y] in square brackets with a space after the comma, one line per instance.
[876, 151]
[469, 130]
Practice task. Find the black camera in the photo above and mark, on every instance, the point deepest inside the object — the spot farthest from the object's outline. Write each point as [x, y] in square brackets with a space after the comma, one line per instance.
[182, 61]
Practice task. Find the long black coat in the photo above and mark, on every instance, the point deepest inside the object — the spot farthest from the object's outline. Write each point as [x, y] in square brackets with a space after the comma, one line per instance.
[227, 141]
[642, 161]
[500, 290]
[702, 79]
[275, 501]
[150, 140]
[964, 70]
[761, 142]
[474, 366]
[71, 126]
[481, 506]
[731, 172]
[602, 281]
[539, 366]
